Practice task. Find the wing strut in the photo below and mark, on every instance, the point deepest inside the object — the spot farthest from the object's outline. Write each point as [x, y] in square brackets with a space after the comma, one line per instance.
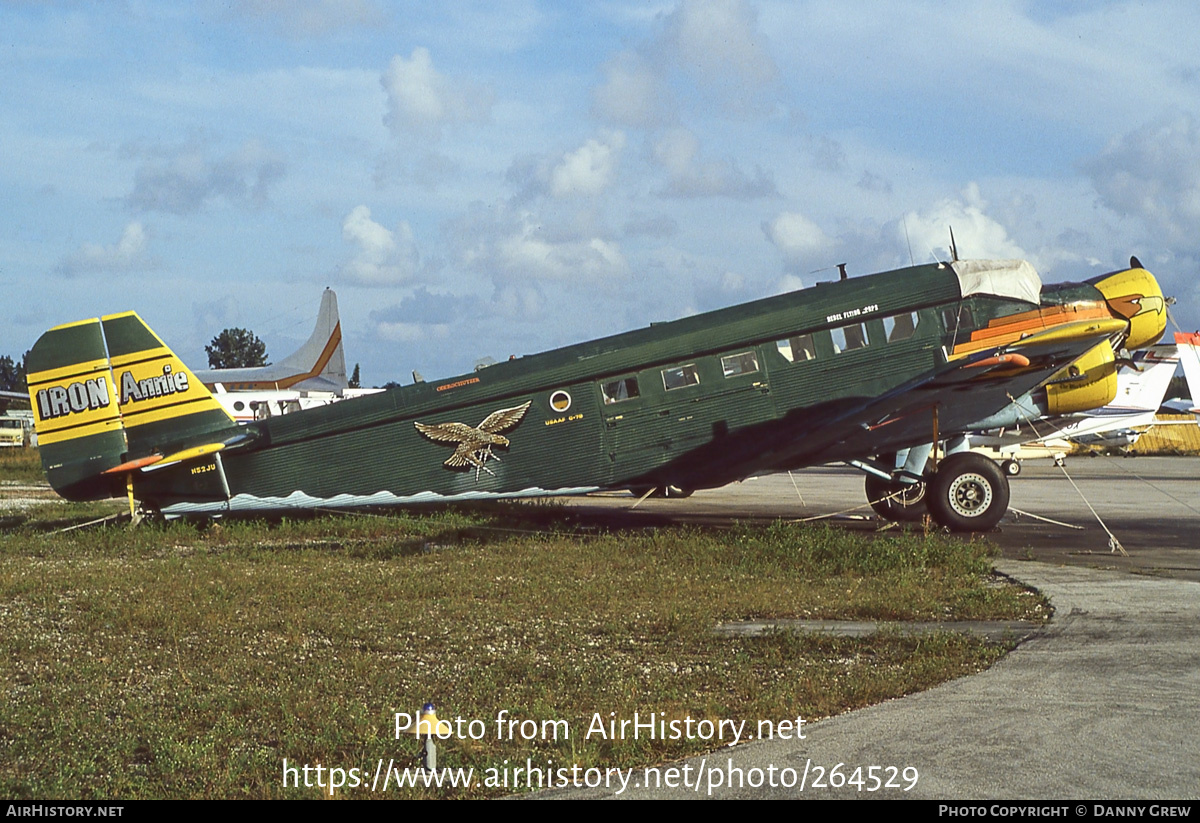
[933, 456]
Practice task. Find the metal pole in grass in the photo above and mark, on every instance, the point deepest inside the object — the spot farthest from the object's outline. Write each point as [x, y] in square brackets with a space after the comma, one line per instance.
[426, 730]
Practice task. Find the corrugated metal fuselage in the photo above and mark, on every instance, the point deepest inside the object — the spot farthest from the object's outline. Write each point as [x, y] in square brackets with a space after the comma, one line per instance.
[807, 377]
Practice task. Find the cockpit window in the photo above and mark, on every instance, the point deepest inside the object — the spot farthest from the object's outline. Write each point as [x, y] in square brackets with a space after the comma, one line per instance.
[959, 318]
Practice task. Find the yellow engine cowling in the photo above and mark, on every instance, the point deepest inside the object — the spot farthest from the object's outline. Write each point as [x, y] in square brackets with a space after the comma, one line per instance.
[1088, 383]
[1135, 295]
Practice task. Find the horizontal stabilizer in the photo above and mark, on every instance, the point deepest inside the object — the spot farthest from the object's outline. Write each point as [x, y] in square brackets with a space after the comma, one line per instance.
[187, 454]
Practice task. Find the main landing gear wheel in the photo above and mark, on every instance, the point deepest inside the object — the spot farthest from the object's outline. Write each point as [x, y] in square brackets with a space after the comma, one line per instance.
[969, 493]
[901, 502]
[1011, 467]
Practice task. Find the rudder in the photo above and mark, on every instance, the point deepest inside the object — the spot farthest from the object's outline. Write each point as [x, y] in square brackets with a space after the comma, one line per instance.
[75, 410]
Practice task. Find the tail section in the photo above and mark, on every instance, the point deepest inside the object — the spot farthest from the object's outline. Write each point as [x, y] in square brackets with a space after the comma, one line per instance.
[1145, 387]
[109, 396]
[322, 357]
[1189, 356]
[318, 365]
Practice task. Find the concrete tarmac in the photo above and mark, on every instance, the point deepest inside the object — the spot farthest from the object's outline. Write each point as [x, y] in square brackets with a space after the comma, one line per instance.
[1150, 504]
[1101, 704]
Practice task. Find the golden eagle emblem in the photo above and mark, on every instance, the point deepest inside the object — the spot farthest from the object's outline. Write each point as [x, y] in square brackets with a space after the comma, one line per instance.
[475, 442]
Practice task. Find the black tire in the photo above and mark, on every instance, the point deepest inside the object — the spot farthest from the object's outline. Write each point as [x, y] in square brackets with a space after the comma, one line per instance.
[1011, 467]
[969, 493]
[896, 501]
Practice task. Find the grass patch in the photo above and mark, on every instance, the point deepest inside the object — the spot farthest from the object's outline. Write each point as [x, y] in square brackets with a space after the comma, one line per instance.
[21, 466]
[177, 660]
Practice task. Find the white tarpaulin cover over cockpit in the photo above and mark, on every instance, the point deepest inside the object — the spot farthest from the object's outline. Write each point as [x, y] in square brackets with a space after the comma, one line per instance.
[1003, 278]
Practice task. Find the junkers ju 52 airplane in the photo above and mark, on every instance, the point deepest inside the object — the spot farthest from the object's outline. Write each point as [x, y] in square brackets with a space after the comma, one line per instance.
[871, 371]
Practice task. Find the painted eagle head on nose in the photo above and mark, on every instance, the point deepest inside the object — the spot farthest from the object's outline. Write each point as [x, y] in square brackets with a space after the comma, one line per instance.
[1132, 305]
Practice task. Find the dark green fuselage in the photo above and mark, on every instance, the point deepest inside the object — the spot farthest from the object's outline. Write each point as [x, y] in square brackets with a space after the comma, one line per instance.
[745, 400]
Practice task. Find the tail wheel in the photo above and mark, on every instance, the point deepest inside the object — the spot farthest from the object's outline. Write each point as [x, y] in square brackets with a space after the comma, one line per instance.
[896, 501]
[969, 493]
[1011, 467]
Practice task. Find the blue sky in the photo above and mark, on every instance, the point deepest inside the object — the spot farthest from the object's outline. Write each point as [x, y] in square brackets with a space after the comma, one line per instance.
[487, 179]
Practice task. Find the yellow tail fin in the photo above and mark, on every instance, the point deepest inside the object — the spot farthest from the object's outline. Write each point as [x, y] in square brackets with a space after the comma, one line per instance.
[106, 392]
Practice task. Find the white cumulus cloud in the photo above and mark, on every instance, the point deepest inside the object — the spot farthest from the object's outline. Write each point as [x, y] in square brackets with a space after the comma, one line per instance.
[127, 254]
[529, 254]
[421, 100]
[589, 169]
[707, 55]
[976, 234]
[384, 257]
[796, 236]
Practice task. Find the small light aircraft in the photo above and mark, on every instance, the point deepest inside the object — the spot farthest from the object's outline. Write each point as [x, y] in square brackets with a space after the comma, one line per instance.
[312, 376]
[318, 365]
[1189, 356]
[866, 371]
[244, 406]
[1142, 383]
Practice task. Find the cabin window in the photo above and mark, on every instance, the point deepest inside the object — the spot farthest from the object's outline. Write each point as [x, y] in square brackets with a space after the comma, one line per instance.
[238, 405]
[680, 377]
[735, 364]
[849, 338]
[560, 401]
[618, 390]
[797, 349]
[901, 326]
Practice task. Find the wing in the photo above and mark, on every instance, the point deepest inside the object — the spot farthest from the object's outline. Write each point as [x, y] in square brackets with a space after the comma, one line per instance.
[855, 427]
[446, 432]
[965, 391]
[498, 421]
